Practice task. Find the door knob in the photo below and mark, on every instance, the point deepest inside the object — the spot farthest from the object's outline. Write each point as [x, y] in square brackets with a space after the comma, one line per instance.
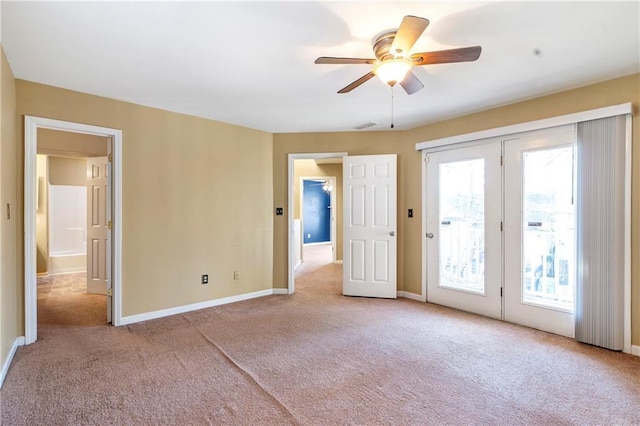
[392, 233]
[429, 235]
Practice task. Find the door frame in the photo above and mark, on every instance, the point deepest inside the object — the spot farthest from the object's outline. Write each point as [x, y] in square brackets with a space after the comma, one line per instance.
[625, 109]
[290, 186]
[31, 126]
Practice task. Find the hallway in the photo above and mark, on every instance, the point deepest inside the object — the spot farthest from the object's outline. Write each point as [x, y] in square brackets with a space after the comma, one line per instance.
[63, 301]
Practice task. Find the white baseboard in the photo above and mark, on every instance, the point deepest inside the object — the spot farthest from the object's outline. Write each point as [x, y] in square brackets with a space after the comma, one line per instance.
[635, 350]
[295, 268]
[5, 366]
[280, 291]
[412, 296]
[131, 319]
[339, 261]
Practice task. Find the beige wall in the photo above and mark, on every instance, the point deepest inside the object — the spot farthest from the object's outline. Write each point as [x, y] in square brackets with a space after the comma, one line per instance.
[197, 198]
[626, 89]
[11, 299]
[67, 171]
[309, 168]
[69, 144]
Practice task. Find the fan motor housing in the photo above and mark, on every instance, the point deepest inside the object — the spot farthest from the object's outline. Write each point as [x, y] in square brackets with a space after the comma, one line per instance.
[382, 44]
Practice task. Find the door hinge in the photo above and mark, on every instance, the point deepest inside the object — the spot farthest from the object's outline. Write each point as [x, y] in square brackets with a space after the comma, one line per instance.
[501, 157]
[500, 227]
[109, 292]
[109, 225]
[500, 291]
[426, 158]
[110, 158]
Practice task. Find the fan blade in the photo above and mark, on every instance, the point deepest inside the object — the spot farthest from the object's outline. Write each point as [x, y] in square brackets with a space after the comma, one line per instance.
[332, 60]
[410, 30]
[411, 84]
[368, 76]
[463, 54]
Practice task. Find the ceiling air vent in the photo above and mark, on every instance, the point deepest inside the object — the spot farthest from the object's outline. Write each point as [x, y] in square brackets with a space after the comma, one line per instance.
[365, 125]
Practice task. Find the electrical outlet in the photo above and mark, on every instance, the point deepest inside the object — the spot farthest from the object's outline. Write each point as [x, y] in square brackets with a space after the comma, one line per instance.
[205, 279]
[236, 275]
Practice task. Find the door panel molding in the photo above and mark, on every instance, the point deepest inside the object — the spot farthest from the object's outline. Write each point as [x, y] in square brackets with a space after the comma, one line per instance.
[97, 232]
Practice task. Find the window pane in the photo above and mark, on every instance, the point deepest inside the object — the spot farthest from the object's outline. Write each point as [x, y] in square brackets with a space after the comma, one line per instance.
[548, 251]
[462, 225]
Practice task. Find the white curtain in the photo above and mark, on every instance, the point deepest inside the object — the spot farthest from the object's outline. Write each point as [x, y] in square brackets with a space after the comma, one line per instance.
[600, 230]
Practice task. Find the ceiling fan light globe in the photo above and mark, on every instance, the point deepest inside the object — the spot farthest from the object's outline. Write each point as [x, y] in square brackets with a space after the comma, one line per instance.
[393, 70]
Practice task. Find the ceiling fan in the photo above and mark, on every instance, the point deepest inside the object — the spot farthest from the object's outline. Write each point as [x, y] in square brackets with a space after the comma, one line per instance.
[394, 63]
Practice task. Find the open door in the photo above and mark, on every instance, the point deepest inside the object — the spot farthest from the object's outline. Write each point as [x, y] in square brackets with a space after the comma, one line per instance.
[98, 228]
[369, 229]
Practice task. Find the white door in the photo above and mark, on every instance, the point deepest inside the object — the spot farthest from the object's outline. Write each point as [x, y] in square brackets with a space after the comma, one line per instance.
[97, 232]
[539, 222]
[369, 229]
[464, 247]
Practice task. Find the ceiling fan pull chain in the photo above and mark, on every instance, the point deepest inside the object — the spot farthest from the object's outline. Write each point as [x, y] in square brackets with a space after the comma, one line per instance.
[392, 107]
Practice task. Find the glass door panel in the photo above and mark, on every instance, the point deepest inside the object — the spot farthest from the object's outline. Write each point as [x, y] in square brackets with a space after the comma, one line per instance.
[464, 247]
[461, 225]
[548, 228]
[539, 230]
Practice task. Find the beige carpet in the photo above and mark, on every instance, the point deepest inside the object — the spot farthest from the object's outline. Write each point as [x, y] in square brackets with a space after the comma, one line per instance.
[63, 301]
[317, 274]
[318, 358]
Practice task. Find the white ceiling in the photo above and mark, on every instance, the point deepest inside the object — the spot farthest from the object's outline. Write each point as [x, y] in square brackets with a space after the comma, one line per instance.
[251, 63]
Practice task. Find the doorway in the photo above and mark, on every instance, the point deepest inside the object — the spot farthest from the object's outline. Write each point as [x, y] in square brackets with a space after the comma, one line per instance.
[319, 167]
[317, 215]
[114, 207]
[501, 229]
[65, 295]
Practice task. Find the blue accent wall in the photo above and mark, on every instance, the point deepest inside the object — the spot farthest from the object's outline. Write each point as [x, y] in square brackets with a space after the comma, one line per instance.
[316, 213]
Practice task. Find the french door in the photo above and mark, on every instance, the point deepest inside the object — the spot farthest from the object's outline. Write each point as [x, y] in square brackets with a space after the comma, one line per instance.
[539, 229]
[464, 251]
[500, 229]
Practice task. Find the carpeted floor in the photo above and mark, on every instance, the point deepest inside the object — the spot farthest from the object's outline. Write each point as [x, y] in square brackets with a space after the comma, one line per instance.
[63, 301]
[317, 274]
[318, 358]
